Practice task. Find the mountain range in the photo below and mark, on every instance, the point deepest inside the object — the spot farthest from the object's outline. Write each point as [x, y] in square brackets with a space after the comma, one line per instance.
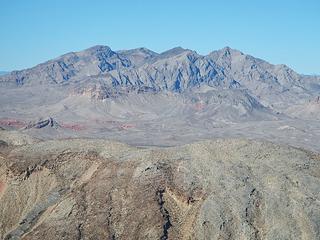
[99, 87]
[102, 73]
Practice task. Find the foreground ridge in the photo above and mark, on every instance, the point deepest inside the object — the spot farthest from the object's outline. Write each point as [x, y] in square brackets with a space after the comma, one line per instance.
[77, 189]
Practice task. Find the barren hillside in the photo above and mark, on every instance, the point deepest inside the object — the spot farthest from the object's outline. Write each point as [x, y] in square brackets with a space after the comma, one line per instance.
[98, 189]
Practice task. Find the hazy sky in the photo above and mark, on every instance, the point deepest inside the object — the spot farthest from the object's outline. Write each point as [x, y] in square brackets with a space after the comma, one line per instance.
[278, 31]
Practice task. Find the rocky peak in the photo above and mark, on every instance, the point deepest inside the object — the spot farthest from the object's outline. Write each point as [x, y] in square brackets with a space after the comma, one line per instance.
[174, 52]
[138, 56]
[141, 51]
[98, 49]
[224, 53]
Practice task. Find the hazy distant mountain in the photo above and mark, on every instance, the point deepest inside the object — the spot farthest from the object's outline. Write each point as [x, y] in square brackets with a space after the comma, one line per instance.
[3, 72]
[176, 70]
[230, 84]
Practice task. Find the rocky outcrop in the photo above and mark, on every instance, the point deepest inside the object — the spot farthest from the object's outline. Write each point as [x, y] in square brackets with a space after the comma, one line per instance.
[42, 123]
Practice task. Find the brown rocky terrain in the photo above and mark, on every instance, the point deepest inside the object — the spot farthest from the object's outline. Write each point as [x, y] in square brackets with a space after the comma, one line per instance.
[99, 189]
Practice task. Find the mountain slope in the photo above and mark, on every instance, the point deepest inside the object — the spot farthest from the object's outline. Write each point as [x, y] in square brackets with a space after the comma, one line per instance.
[88, 63]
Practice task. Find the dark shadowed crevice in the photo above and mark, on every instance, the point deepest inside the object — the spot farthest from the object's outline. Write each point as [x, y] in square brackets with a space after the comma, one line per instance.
[165, 214]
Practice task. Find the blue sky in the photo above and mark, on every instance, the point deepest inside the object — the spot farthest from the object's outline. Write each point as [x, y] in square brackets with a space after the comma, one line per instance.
[286, 31]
